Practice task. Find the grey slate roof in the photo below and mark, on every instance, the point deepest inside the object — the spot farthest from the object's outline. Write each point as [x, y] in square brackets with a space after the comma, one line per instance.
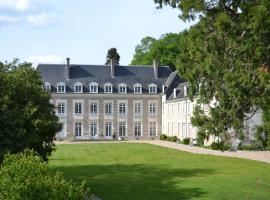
[130, 75]
[175, 81]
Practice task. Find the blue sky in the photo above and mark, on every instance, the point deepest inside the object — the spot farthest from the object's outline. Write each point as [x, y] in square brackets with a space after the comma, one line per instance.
[48, 31]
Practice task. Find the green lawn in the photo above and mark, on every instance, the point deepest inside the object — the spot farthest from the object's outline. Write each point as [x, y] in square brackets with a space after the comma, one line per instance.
[144, 171]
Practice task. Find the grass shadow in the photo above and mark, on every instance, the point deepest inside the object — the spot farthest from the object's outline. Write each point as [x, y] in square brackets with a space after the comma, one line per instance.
[137, 181]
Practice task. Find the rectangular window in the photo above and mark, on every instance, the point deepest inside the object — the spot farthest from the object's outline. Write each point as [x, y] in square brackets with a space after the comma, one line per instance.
[153, 128]
[184, 107]
[108, 129]
[122, 129]
[184, 130]
[137, 129]
[138, 108]
[108, 89]
[78, 88]
[93, 129]
[122, 109]
[78, 129]
[93, 88]
[61, 108]
[137, 90]
[93, 108]
[61, 88]
[108, 108]
[152, 108]
[78, 108]
[152, 89]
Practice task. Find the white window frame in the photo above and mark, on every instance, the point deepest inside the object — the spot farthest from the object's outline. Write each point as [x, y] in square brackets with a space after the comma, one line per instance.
[76, 123]
[91, 129]
[135, 128]
[106, 124]
[57, 102]
[108, 85]
[136, 86]
[105, 108]
[92, 102]
[119, 103]
[135, 108]
[152, 86]
[151, 125]
[95, 85]
[79, 115]
[120, 88]
[152, 108]
[47, 87]
[122, 128]
[78, 84]
[61, 84]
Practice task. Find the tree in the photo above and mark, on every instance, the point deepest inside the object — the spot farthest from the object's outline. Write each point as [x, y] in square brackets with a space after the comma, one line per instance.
[112, 55]
[227, 58]
[165, 50]
[27, 117]
[26, 176]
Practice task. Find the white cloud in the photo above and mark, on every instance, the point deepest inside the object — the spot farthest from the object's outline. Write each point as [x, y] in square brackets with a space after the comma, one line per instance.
[48, 59]
[20, 5]
[9, 19]
[42, 19]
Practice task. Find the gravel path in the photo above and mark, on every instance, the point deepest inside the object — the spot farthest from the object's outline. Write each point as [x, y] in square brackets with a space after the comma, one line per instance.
[263, 156]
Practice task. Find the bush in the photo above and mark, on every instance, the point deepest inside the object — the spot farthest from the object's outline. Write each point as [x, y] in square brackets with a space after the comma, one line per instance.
[26, 176]
[163, 137]
[172, 139]
[254, 145]
[219, 146]
[186, 141]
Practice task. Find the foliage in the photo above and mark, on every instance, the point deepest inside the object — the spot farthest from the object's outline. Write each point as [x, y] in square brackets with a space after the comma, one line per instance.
[112, 55]
[172, 138]
[163, 137]
[164, 50]
[186, 141]
[26, 116]
[26, 176]
[221, 145]
[226, 59]
[253, 145]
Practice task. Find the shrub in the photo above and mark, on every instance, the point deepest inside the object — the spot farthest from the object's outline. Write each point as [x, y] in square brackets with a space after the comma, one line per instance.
[220, 146]
[26, 176]
[186, 141]
[253, 145]
[172, 139]
[163, 137]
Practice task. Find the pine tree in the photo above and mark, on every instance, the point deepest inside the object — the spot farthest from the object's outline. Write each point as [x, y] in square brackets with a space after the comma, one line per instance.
[112, 55]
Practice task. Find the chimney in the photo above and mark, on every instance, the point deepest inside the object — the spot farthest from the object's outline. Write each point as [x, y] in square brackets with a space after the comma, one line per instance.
[163, 88]
[174, 93]
[112, 68]
[67, 67]
[155, 66]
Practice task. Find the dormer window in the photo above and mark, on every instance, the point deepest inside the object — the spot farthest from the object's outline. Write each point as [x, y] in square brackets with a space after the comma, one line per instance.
[152, 88]
[78, 88]
[122, 88]
[108, 88]
[137, 88]
[47, 87]
[61, 87]
[93, 87]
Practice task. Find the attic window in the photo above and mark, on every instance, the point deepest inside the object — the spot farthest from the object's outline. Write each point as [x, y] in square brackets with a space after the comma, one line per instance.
[61, 87]
[93, 87]
[152, 88]
[137, 88]
[122, 88]
[47, 87]
[108, 88]
[78, 87]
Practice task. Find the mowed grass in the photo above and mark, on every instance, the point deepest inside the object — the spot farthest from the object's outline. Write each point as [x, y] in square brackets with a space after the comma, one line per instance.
[144, 171]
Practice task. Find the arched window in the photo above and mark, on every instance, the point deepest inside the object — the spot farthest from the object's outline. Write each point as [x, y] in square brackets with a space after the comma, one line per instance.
[61, 87]
[93, 87]
[78, 88]
[122, 88]
[137, 88]
[108, 88]
[47, 87]
[152, 88]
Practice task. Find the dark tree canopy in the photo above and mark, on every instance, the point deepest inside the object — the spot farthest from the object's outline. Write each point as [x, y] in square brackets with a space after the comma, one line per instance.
[27, 118]
[112, 55]
[227, 57]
